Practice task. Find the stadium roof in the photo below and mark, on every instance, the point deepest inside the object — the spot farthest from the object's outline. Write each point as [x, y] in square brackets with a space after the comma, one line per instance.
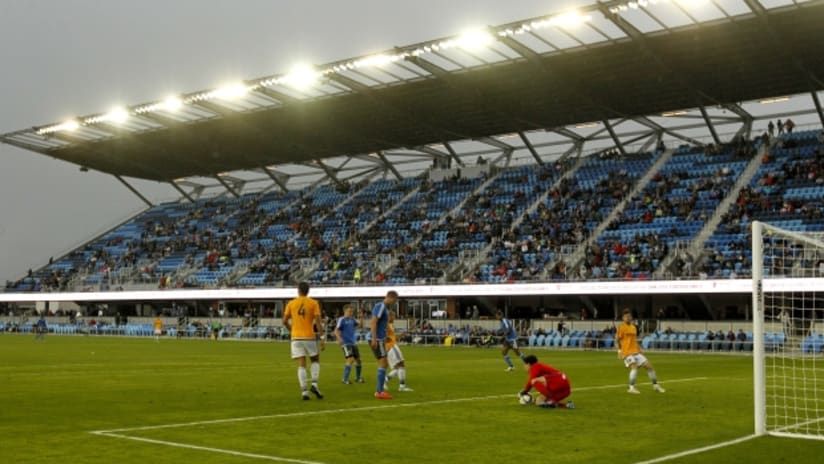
[619, 72]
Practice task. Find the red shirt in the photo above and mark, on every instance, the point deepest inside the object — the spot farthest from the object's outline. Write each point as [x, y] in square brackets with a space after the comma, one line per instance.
[539, 370]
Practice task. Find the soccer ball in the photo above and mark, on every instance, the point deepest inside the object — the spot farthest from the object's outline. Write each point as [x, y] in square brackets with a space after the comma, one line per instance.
[525, 399]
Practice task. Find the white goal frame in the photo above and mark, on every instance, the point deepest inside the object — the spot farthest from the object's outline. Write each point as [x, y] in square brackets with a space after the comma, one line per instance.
[759, 230]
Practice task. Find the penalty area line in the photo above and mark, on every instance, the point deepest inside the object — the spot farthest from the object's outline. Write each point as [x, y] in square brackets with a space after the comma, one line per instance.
[356, 409]
[703, 449]
[210, 449]
[115, 433]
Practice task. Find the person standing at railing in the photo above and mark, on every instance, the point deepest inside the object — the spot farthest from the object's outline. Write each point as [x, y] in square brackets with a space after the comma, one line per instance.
[41, 329]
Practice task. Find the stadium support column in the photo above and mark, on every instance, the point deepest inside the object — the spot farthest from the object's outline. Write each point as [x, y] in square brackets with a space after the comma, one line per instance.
[182, 192]
[615, 138]
[709, 125]
[277, 177]
[134, 190]
[531, 148]
[453, 154]
[389, 165]
[226, 185]
[818, 107]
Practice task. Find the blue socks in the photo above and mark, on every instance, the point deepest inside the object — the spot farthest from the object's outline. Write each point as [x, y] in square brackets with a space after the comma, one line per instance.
[381, 378]
[508, 360]
[346, 370]
[358, 369]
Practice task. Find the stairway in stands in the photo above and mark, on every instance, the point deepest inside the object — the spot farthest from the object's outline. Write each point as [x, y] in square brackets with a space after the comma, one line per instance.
[695, 250]
[577, 257]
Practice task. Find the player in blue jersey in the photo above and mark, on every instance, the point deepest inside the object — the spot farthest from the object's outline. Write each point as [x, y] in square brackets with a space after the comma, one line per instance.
[378, 326]
[346, 332]
[510, 336]
[40, 328]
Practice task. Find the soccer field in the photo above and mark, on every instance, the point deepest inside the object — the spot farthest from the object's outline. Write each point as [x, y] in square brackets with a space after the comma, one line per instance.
[238, 402]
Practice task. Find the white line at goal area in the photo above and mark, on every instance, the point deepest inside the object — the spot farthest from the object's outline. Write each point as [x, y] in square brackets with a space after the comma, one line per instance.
[124, 433]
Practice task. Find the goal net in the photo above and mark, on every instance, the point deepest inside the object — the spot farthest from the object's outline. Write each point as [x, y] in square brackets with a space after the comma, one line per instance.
[788, 331]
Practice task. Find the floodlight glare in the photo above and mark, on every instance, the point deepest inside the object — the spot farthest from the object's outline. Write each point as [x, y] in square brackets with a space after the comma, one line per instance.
[767, 101]
[230, 92]
[68, 126]
[302, 76]
[117, 115]
[172, 104]
[474, 40]
[572, 18]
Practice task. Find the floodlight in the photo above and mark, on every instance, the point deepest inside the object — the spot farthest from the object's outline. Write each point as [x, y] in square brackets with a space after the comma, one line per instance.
[117, 115]
[68, 126]
[767, 101]
[587, 125]
[302, 76]
[572, 18]
[230, 92]
[474, 40]
[171, 104]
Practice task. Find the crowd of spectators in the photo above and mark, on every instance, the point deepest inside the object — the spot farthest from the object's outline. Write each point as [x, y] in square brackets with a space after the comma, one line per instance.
[766, 198]
[325, 232]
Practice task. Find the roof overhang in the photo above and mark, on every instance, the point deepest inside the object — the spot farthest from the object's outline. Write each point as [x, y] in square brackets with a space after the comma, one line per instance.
[629, 73]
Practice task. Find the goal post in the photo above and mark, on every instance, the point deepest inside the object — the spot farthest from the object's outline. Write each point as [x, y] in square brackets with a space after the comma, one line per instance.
[788, 333]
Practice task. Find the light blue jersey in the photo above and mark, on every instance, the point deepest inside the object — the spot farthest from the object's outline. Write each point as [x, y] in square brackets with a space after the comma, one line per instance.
[508, 330]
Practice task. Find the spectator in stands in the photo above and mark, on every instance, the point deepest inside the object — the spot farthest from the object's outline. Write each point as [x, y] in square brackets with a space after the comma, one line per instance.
[731, 338]
[771, 128]
[40, 328]
[780, 127]
[742, 339]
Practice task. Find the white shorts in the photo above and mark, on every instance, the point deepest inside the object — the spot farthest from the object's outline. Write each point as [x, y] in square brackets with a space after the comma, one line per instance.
[302, 348]
[394, 356]
[638, 359]
[158, 332]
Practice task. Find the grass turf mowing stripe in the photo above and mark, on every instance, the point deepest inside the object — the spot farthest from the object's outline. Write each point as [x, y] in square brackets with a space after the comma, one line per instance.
[344, 410]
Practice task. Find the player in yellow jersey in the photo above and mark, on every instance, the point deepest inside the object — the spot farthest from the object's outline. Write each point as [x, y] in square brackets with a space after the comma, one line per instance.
[158, 328]
[626, 337]
[302, 317]
[395, 357]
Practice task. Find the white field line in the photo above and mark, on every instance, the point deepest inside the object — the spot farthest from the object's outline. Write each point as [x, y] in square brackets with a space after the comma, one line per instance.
[207, 448]
[698, 450]
[358, 409]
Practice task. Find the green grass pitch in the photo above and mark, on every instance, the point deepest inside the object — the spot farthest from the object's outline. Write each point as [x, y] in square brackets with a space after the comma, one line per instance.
[464, 407]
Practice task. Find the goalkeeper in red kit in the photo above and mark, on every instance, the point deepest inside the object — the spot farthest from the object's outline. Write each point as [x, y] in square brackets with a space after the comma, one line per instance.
[551, 384]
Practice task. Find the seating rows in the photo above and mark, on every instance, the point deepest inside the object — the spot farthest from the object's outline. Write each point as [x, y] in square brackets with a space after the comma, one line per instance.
[323, 234]
[787, 191]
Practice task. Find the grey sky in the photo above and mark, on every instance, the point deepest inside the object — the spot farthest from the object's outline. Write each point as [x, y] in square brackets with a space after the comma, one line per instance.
[72, 57]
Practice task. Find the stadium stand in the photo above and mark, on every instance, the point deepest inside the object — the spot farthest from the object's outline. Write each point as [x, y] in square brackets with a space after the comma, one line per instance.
[508, 225]
[787, 191]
